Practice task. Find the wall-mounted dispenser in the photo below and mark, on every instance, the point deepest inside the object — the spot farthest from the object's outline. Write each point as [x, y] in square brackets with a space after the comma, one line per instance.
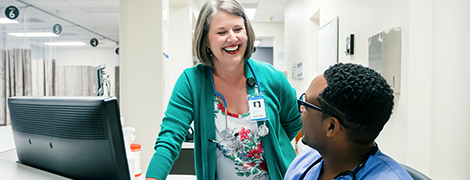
[349, 45]
[385, 56]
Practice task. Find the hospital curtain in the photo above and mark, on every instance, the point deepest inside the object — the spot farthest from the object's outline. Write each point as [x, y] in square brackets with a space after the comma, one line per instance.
[21, 76]
[43, 77]
[15, 78]
[74, 81]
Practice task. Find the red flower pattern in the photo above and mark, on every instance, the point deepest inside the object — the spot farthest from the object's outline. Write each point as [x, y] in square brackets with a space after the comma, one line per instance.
[221, 107]
[260, 146]
[256, 153]
[244, 134]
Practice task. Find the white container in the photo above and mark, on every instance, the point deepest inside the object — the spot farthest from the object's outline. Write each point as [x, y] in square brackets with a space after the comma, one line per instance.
[136, 149]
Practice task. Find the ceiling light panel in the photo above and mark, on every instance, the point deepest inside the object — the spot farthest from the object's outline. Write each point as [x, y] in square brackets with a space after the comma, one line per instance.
[7, 21]
[75, 43]
[33, 34]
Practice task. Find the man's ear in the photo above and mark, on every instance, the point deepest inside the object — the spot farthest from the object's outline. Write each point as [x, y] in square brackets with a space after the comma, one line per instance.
[333, 126]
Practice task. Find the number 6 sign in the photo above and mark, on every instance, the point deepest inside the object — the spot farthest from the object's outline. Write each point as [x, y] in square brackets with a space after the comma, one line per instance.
[12, 12]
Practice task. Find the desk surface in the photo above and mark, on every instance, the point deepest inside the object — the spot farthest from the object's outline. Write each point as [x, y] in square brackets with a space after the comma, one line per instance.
[15, 171]
[11, 170]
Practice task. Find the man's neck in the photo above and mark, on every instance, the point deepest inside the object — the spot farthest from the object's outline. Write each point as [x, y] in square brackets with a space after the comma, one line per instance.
[344, 158]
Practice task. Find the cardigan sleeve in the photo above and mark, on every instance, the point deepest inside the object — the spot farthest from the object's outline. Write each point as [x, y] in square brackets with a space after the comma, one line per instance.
[174, 127]
[289, 114]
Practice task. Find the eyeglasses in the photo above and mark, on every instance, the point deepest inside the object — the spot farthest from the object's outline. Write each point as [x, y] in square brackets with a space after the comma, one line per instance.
[303, 104]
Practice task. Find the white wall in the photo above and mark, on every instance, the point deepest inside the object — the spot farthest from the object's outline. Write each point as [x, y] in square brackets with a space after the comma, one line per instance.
[86, 56]
[180, 47]
[428, 128]
[276, 30]
[450, 98]
[141, 63]
[300, 34]
[149, 86]
[416, 75]
[180, 38]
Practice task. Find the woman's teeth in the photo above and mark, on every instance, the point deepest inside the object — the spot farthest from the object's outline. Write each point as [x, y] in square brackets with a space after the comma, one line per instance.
[231, 49]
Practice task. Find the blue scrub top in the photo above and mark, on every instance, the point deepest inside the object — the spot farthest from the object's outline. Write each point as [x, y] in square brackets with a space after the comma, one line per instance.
[378, 166]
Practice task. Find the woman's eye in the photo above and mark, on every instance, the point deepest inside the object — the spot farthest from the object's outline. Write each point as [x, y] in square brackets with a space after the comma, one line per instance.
[222, 32]
[238, 29]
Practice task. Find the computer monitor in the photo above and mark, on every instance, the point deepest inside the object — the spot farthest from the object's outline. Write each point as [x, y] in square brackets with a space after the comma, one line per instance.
[76, 137]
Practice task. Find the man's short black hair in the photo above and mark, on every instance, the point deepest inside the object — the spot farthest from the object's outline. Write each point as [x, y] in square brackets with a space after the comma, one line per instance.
[362, 97]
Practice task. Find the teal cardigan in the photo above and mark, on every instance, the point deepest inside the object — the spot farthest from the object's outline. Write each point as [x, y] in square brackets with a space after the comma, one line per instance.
[192, 100]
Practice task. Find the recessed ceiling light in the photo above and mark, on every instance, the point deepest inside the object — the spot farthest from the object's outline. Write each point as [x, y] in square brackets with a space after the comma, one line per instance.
[7, 21]
[257, 42]
[250, 12]
[77, 43]
[270, 19]
[33, 34]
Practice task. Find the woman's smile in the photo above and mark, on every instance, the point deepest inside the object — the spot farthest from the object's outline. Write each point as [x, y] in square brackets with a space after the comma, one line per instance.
[232, 49]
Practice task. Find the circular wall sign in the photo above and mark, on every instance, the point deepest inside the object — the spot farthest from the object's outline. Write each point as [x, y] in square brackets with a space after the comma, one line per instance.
[94, 42]
[57, 29]
[12, 12]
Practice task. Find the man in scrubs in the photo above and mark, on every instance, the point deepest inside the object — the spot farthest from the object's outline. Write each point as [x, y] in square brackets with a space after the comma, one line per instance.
[343, 112]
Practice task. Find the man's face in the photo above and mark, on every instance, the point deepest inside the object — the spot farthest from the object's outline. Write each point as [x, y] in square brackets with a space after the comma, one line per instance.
[313, 126]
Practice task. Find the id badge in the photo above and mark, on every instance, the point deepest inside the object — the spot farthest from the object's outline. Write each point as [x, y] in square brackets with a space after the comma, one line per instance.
[257, 109]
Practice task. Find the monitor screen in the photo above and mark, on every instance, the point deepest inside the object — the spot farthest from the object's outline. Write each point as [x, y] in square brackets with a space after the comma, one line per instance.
[76, 137]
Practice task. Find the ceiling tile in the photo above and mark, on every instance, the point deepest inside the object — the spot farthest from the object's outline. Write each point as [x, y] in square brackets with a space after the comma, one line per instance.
[86, 3]
[111, 3]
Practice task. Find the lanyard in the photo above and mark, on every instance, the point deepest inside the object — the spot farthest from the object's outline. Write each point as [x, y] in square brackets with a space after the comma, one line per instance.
[344, 173]
[222, 96]
[263, 130]
[256, 79]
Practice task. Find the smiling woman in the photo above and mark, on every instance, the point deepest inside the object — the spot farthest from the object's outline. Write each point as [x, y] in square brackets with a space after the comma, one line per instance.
[234, 138]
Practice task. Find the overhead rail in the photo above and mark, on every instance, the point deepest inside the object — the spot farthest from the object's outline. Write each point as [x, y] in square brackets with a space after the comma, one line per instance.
[66, 20]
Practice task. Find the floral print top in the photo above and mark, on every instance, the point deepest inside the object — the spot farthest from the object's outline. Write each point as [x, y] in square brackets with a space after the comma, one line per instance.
[240, 152]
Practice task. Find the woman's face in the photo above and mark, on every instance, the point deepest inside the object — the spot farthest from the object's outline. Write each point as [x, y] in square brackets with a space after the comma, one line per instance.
[227, 38]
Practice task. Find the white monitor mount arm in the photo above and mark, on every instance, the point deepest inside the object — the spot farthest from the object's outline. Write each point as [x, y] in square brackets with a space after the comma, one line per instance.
[101, 80]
